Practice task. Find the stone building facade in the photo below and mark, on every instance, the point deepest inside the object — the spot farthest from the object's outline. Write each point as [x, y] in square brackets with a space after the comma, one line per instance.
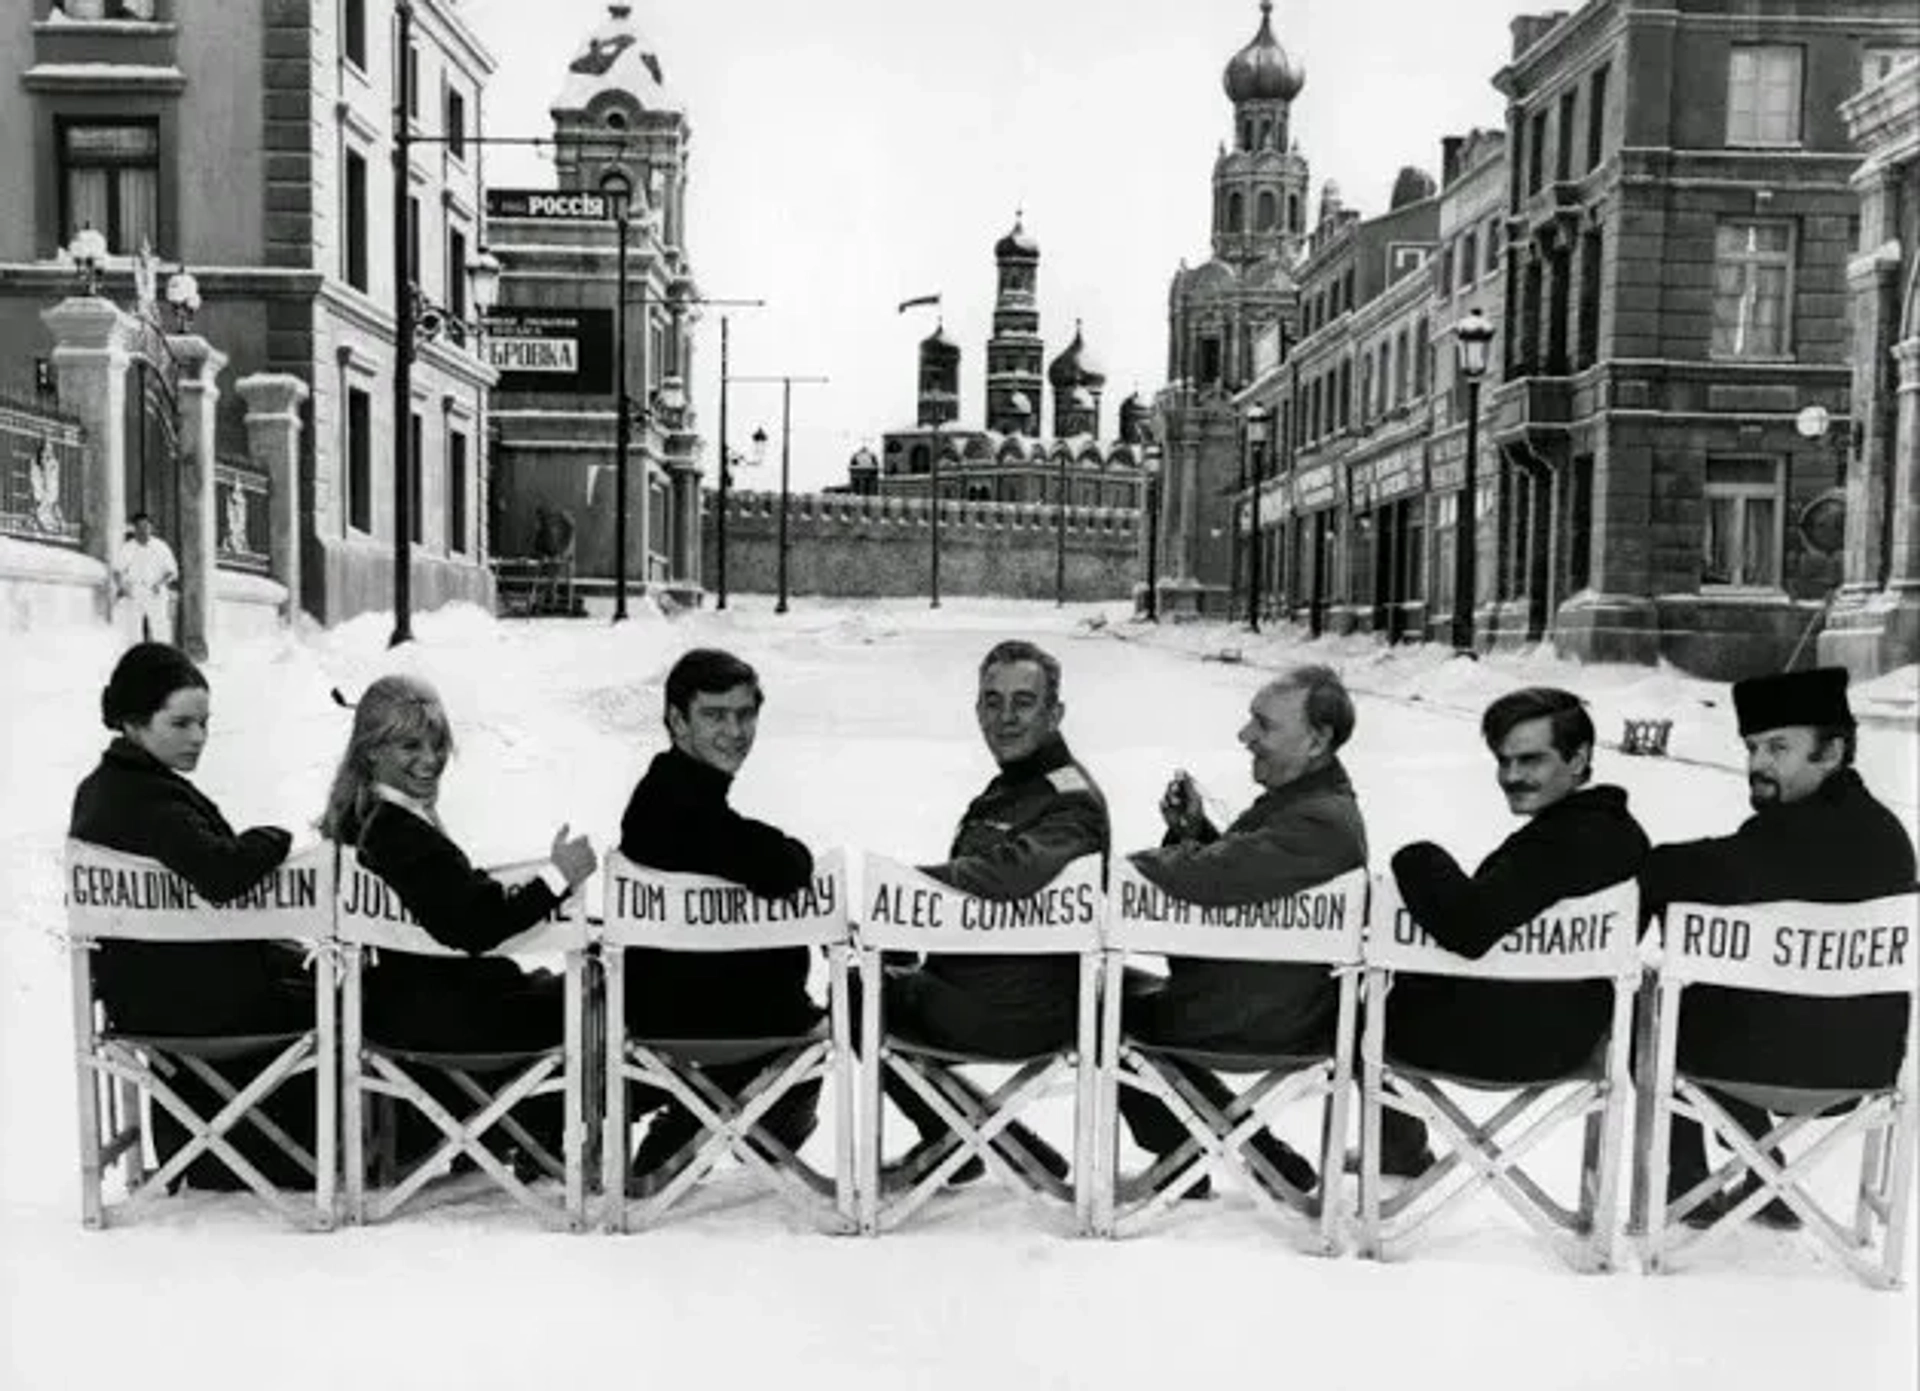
[1875, 622]
[618, 126]
[1662, 238]
[254, 146]
[1679, 215]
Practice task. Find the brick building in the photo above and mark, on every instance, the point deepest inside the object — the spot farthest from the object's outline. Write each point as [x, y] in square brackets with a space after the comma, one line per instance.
[618, 125]
[1679, 225]
[254, 145]
[1875, 623]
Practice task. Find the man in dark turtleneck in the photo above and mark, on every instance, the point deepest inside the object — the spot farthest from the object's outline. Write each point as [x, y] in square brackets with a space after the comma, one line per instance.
[678, 819]
[1039, 813]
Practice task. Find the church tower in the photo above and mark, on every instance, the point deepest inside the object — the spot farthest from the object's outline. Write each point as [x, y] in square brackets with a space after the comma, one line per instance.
[939, 379]
[1014, 351]
[1260, 184]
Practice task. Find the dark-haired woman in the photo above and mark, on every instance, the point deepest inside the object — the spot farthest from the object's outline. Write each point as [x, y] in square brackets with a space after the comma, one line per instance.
[138, 801]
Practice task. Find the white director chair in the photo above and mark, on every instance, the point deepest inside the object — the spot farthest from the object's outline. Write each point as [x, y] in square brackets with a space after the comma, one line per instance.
[126, 898]
[1321, 926]
[374, 1068]
[907, 911]
[694, 913]
[1489, 1155]
[1833, 951]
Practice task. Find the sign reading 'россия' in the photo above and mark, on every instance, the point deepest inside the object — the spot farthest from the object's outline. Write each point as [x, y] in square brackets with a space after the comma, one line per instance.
[549, 205]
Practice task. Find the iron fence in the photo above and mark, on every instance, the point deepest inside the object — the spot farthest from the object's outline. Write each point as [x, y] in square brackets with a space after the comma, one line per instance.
[242, 535]
[42, 474]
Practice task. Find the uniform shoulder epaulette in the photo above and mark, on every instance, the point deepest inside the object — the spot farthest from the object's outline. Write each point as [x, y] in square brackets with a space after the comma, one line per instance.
[1069, 779]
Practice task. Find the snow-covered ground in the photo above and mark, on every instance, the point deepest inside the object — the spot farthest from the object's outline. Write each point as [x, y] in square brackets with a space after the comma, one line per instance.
[867, 740]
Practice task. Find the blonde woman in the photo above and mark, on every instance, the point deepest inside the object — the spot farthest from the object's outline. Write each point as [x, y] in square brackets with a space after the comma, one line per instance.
[384, 804]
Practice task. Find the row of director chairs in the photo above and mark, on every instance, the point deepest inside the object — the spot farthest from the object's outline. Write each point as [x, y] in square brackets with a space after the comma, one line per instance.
[341, 915]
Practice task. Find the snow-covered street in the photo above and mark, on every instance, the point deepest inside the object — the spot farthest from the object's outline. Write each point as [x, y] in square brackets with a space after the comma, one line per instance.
[867, 740]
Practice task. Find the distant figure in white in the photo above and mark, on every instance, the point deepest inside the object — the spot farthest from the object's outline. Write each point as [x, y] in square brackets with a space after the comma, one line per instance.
[145, 575]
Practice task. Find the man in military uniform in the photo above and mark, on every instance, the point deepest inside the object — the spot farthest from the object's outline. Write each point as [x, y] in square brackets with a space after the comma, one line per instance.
[1817, 835]
[1039, 813]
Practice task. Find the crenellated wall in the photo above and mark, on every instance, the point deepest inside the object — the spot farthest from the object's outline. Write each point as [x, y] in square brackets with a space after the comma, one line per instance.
[845, 545]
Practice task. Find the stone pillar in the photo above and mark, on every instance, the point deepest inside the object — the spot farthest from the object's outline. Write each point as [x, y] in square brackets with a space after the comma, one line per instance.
[691, 566]
[92, 340]
[1903, 575]
[273, 402]
[200, 366]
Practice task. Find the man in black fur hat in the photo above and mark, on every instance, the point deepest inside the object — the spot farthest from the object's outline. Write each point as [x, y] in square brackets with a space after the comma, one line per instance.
[1816, 835]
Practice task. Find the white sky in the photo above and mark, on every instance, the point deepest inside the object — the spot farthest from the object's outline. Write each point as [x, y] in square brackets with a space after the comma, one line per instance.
[849, 154]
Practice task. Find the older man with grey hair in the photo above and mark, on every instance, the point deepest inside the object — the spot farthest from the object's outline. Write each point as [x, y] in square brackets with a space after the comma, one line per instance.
[1304, 829]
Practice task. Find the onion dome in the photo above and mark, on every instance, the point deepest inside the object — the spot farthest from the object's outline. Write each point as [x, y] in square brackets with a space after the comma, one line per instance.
[1262, 71]
[1075, 365]
[616, 58]
[937, 342]
[1017, 245]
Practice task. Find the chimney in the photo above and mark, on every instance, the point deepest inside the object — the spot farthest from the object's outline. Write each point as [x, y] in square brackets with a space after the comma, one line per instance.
[1449, 158]
[1529, 29]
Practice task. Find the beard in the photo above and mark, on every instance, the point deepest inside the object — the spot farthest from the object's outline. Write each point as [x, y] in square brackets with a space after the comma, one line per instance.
[1762, 792]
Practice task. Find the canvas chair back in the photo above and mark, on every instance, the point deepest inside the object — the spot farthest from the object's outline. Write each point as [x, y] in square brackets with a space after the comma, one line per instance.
[1589, 937]
[1322, 925]
[1824, 950]
[904, 910]
[370, 919]
[117, 897]
[658, 909]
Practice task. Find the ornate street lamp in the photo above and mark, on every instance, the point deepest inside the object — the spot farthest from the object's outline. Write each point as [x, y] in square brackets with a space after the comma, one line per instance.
[88, 252]
[1150, 464]
[1259, 424]
[1472, 337]
[183, 297]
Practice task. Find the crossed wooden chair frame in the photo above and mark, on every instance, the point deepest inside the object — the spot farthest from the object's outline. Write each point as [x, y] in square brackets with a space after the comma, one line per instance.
[114, 1070]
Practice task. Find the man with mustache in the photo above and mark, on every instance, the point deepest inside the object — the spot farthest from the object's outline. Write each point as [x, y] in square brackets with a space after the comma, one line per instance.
[1577, 840]
[1817, 835]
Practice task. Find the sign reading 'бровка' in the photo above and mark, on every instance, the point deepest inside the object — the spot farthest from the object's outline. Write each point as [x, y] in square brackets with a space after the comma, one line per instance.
[560, 350]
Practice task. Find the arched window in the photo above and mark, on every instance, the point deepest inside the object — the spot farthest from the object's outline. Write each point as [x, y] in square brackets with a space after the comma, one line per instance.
[1420, 359]
[1236, 213]
[1265, 137]
[920, 461]
[1264, 211]
[1293, 212]
[1246, 135]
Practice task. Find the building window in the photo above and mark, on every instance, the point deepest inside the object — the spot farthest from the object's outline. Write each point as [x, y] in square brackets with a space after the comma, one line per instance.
[1536, 151]
[353, 32]
[355, 241]
[1580, 526]
[1445, 273]
[1743, 515]
[110, 177]
[1492, 244]
[1446, 519]
[456, 492]
[1402, 351]
[1587, 345]
[1563, 153]
[1597, 119]
[416, 479]
[359, 454]
[413, 81]
[1346, 393]
[457, 123]
[456, 284]
[1236, 213]
[1469, 256]
[1420, 358]
[1265, 211]
[413, 240]
[1763, 95]
[1346, 288]
[1366, 389]
[1752, 288]
[1386, 375]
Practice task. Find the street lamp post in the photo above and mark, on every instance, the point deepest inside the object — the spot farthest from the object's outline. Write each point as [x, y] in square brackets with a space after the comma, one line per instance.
[726, 478]
[619, 190]
[403, 461]
[1259, 419]
[1473, 336]
[786, 381]
[933, 477]
[1150, 456]
[1060, 535]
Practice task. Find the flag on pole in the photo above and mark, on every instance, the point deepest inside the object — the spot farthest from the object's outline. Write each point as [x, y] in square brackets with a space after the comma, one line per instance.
[907, 304]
